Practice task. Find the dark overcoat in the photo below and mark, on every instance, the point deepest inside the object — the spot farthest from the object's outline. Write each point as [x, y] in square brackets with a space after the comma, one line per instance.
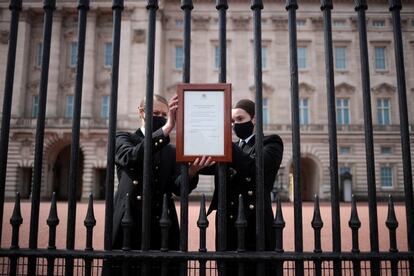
[166, 179]
[241, 179]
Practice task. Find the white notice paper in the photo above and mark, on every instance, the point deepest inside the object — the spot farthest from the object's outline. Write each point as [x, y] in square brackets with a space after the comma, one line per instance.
[203, 123]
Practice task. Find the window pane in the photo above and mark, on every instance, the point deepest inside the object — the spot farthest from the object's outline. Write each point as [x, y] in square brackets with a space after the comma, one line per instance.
[340, 58]
[179, 57]
[105, 107]
[264, 57]
[304, 111]
[73, 54]
[302, 62]
[380, 62]
[386, 176]
[300, 22]
[39, 54]
[342, 111]
[344, 150]
[35, 106]
[386, 150]
[69, 106]
[216, 57]
[108, 54]
[383, 111]
[378, 23]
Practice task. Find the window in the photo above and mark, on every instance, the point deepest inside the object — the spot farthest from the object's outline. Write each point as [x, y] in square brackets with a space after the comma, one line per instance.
[344, 150]
[69, 106]
[300, 22]
[39, 54]
[178, 23]
[340, 58]
[35, 106]
[380, 59]
[383, 111]
[339, 23]
[108, 54]
[304, 111]
[265, 111]
[302, 62]
[105, 107]
[264, 57]
[342, 111]
[378, 23]
[344, 169]
[386, 176]
[216, 57]
[386, 150]
[179, 57]
[73, 51]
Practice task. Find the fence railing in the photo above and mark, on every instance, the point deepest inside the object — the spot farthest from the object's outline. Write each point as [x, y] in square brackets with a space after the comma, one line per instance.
[32, 260]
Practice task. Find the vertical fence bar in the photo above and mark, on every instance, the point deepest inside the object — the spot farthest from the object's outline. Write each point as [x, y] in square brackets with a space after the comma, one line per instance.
[279, 224]
[241, 224]
[202, 224]
[89, 223]
[222, 6]
[317, 225]
[361, 7]
[326, 7]
[165, 224]
[186, 6]
[355, 224]
[257, 6]
[49, 6]
[291, 7]
[16, 220]
[126, 224]
[15, 8]
[152, 7]
[83, 7]
[392, 225]
[395, 9]
[117, 7]
[52, 222]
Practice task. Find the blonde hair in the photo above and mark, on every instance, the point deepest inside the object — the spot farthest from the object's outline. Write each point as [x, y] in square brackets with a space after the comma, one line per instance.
[157, 97]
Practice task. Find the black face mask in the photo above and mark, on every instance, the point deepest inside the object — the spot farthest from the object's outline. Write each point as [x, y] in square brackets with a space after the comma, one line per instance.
[243, 130]
[158, 122]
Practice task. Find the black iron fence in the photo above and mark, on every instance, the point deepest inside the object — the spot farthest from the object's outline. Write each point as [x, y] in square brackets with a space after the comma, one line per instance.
[33, 260]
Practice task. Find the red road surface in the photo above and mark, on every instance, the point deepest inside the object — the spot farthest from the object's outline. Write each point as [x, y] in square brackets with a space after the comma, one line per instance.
[288, 234]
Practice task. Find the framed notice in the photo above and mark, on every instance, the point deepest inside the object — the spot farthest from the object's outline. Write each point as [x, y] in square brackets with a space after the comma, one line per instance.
[204, 122]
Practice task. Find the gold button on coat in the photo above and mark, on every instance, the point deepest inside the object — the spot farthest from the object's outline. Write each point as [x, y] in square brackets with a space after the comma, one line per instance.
[160, 141]
[251, 206]
[135, 182]
[139, 197]
[248, 179]
[250, 193]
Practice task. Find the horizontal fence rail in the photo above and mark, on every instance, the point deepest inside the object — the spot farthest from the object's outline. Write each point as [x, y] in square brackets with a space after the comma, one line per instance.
[52, 260]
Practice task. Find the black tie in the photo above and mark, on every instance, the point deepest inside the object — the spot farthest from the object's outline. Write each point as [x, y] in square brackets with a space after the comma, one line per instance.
[242, 144]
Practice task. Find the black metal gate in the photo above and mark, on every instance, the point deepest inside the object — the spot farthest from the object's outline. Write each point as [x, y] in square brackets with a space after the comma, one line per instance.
[33, 260]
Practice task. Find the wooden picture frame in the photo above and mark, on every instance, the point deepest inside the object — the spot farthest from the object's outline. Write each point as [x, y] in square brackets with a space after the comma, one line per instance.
[204, 122]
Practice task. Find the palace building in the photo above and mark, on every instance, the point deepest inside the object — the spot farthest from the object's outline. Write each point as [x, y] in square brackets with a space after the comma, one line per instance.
[205, 65]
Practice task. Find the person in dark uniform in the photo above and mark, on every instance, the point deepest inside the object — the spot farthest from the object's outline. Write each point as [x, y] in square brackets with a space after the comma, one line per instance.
[166, 179]
[241, 180]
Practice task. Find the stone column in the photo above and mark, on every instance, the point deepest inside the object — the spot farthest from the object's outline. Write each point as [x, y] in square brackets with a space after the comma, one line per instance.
[89, 68]
[22, 66]
[54, 66]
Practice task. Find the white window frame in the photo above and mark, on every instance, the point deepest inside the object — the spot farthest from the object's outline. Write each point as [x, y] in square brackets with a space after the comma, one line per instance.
[35, 106]
[265, 110]
[343, 59]
[385, 59]
[73, 46]
[39, 54]
[105, 105]
[304, 109]
[381, 109]
[387, 166]
[107, 56]
[69, 106]
[178, 66]
[305, 58]
[341, 108]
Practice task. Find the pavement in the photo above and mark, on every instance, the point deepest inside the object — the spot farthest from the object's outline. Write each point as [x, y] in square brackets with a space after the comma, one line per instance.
[288, 234]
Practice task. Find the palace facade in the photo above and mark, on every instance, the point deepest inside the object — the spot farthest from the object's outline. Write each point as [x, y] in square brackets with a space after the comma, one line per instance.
[204, 69]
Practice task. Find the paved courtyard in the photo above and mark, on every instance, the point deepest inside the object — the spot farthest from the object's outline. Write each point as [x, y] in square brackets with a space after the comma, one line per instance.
[308, 239]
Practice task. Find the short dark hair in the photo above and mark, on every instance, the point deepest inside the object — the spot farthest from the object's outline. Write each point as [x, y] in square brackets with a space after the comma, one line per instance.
[157, 97]
[247, 105]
